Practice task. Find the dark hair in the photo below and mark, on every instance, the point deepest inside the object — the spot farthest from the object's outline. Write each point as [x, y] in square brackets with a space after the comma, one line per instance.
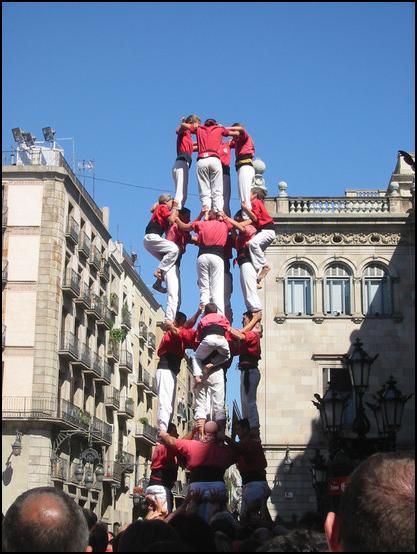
[248, 545]
[195, 532]
[377, 509]
[180, 315]
[171, 427]
[142, 533]
[26, 530]
[210, 122]
[237, 125]
[98, 539]
[210, 308]
[248, 314]
[297, 540]
[90, 518]
[169, 546]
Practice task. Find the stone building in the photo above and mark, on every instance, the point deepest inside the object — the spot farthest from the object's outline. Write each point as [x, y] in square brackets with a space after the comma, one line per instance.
[342, 268]
[79, 335]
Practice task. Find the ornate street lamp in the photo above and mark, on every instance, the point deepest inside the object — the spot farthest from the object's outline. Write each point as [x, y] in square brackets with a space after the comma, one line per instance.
[287, 462]
[331, 408]
[17, 445]
[391, 402]
[359, 364]
[79, 473]
[319, 472]
[88, 479]
[99, 473]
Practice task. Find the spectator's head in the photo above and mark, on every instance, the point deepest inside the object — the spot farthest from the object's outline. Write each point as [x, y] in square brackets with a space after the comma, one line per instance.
[225, 523]
[44, 519]
[195, 532]
[169, 546]
[377, 510]
[210, 308]
[297, 540]
[172, 430]
[243, 428]
[180, 319]
[90, 518]
[99, 538]
[141, 534]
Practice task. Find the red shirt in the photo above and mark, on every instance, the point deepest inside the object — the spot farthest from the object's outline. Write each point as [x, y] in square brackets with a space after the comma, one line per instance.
[184, 141]
[212, 232]
[244, 237]
[251, 345]
[251, 456]
[177, 344]
[181, 238]
[259, 209]
[209, 139]
[160, 215]
[244, 145]
[197, 453]
[224, 153]
[164, 458]
[212, 319]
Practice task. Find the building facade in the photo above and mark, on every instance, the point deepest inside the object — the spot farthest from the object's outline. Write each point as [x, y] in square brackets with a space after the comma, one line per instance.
[341, 268]
[79, 337]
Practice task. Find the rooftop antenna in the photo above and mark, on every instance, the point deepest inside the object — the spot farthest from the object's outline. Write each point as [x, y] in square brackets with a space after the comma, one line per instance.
[89, 166]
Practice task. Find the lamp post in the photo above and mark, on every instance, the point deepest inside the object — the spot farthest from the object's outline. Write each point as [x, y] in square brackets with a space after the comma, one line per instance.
[17, 445]
[331, 408]
[319, 471]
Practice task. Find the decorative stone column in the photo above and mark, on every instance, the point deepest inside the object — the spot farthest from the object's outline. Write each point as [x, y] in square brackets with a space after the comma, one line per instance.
[318, 311]
[357, 315]
[280, 316]
[282, 200]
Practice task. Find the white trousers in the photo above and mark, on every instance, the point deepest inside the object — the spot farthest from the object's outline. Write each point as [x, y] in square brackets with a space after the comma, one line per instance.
[163, 494]
[164, 250]
[214, 383]
[210, 272]
[180, 176]
[210, 344]
[166, 381]
[249, 287]
[205, 509]
[210, 182]
[248, 399]
[226, 193]
[245, 176]
[173, 283]
[228, 289]
[257, 245]
[254, 494]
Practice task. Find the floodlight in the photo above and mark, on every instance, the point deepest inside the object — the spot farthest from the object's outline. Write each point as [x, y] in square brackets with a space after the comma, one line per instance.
[29, 139]
[48, 134]
[18, 134]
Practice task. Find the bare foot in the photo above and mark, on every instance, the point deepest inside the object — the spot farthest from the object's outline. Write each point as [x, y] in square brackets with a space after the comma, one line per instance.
[263, 273]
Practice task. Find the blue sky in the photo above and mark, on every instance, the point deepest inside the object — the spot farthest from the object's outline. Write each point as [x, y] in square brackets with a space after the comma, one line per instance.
[326, 89]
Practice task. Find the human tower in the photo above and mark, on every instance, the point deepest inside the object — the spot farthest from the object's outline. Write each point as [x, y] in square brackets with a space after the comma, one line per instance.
[209, 332]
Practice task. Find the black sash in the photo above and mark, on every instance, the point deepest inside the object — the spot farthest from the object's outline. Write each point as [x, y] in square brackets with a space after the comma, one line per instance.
[214, 249]
[206, 474]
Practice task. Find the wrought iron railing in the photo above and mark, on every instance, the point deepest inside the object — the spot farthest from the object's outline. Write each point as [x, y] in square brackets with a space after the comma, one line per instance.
[59, 469]
[73, 229]
[69, 343]
[104, 269]
[113, 349]
[101, 429]
[84, 244]
[95, 257]
[147, 431]
[143, 331]
[126, 359]
[127, 406]
[112, 396]
[71, 281]
[151, 341]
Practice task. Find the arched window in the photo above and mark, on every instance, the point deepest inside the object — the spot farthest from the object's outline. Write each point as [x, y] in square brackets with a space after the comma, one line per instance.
[299, 290]
[337, 290]
[376, 291]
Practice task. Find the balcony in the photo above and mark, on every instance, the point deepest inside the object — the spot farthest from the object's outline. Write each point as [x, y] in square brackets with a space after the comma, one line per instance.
[71, 283]
[72, 230]
[59, 469]
[95, 258]
[3, 335]
[127, 408]
[94, 309]
[151, 341]
[73, 415]
[4, 268]
[114, 302]
[101, 430]
[143, 331]
[104, 271]
[84, 244]
[4, 213]
[95, 368]
[113, 350]
[112, 472]
[146, 433]
[106, 371]
[69, 347]
[127, 461]
[84, 298]
[84, 357]
[111, 398]
[145, 380]
[106, 318]
[126, 322]
[126, 361]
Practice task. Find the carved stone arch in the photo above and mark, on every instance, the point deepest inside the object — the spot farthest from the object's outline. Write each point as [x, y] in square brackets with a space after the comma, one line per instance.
[324, 266]
[298, 260]
[383, 262]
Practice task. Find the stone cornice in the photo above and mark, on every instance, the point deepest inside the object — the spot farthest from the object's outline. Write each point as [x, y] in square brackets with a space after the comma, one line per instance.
[336, 239]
